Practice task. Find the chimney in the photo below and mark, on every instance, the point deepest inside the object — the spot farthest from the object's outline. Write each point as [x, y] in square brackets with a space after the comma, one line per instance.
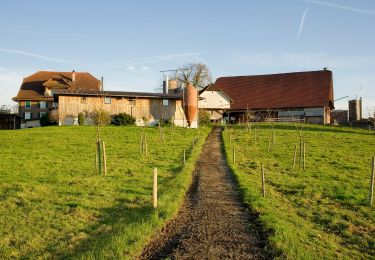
[166, 85]
[73, 76]
[102, 84]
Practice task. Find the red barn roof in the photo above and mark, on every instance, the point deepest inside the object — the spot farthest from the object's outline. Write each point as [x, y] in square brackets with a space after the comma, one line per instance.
[286, 90]
[32, 87]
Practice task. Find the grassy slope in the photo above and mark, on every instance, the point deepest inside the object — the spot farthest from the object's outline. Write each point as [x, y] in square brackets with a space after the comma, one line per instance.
[52, 202]
[321, 212]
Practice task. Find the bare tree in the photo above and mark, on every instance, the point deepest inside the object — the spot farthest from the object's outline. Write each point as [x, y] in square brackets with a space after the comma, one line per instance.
[198, 74]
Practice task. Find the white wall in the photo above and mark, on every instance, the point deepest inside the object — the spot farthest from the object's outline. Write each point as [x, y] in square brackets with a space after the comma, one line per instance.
[214, 100]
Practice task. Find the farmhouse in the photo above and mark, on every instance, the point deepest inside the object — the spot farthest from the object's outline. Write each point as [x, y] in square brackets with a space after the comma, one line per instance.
[35, 97]
[305, 96]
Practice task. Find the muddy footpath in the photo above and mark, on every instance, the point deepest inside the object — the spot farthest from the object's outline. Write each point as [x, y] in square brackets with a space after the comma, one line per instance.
[213, 222]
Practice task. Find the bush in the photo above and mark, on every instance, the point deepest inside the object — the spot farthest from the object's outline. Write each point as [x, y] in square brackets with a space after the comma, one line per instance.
[101, 117]
[166, 122]
[204, 117]
[81, 118]
[46, 120]
[123, 119]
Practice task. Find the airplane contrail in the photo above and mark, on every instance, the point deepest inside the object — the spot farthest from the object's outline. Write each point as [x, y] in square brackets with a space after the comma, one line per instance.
[348, 8]
[302, 23]
[25, 53]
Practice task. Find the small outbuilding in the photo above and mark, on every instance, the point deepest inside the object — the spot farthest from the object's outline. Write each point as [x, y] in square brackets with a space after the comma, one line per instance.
[10, 121]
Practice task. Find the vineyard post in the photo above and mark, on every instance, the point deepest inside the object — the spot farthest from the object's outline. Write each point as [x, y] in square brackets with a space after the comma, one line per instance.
[371, 197]
[263, 182]
[155, 189]
[295, 156]
[104, 158]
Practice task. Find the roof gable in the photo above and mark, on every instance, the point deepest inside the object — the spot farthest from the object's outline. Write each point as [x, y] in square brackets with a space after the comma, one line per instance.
[286, 90]
[33, 86]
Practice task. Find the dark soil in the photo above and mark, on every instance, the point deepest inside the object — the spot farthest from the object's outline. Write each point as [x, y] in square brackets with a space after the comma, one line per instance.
[213, 223]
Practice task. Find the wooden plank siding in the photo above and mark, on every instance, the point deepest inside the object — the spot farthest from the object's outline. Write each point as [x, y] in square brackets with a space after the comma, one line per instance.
[142, 108]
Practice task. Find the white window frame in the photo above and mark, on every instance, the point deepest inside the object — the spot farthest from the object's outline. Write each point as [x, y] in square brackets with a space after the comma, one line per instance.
[27, 117]
[42, 102]
[107, 100]
[165, 102]
[27, 106]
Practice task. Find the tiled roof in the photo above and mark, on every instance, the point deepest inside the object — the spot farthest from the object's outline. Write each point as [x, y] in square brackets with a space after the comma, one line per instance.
[32, 86]
[286, 90]
[65, 92]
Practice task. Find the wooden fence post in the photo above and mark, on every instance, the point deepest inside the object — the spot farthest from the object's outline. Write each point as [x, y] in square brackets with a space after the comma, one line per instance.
[155, 189]
[263, 182]
[295, 156]
[300, 154]
[98, 153]
[269, 142]
[304, 156]
[141, 145]
[371, 197]
[145, 145]
[104, 158]
[184, 157]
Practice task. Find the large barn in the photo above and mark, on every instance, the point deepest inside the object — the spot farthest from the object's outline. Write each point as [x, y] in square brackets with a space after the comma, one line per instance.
[304, 96]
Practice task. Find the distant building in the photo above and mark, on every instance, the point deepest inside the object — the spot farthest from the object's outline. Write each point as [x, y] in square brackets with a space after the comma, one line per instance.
[10, 122]
[35, 97]
[355, 110]
[339, 117]
[214, 101]
[305, 96]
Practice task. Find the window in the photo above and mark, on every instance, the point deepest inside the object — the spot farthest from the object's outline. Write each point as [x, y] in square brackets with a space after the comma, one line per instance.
[27, 115]
[54, 104]
[28, 104]
[84, 100]
[165, 102]
[42, 104]
[41, 114]
[107, 100]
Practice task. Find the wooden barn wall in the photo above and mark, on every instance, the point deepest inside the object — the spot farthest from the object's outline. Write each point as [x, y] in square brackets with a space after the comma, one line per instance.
[140, 108]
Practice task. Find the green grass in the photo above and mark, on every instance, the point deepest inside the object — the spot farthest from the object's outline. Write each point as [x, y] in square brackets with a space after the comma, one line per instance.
[319, 213]
[53, 204]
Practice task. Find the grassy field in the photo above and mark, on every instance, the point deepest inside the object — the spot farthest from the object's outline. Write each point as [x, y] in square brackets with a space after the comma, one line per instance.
[318, 213]
[53, 204]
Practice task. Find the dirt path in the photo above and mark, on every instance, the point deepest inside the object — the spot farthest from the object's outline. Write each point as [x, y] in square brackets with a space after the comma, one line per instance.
[213, 222]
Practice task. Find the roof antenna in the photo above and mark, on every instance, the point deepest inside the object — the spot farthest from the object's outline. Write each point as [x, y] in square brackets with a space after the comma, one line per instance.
[325, 68]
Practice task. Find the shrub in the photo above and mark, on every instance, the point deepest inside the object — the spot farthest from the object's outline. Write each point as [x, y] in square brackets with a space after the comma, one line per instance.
[166, 122]
[204, 117]
[81, 118]
[123, 119]
[101, 117]
[46, 120]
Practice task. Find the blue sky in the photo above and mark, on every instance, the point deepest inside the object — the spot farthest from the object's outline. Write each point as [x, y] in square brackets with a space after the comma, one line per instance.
[130, 42]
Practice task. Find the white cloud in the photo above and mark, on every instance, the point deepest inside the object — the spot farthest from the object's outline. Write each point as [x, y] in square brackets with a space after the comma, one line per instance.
[302, 23]
[34, 55]
[344, 7]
